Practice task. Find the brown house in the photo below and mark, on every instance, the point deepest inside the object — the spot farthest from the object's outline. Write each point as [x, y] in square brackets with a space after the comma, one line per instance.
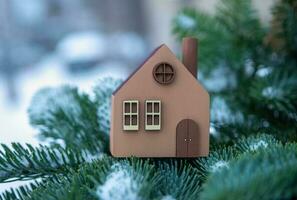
[161, 110]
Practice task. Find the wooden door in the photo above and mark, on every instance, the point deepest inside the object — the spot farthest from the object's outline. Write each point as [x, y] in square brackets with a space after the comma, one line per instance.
[181, 139]
[187, 139]
[193, 139]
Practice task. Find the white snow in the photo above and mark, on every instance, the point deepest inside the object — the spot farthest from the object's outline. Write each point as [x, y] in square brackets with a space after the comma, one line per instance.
[82, 46]
[129, 46]
[14, 122]
[271, 92]
[186, 21]
[264, 72]
[168, 197]
[31, 12]
[15, 184]
[47, 100]
[219, 165]
[89, 157]
[119, 185]
[258, 144]
[104, 89]
[212, 130]
[93, 46]
[265, 124]
[113, 69]
[221, 112]
[219, 79]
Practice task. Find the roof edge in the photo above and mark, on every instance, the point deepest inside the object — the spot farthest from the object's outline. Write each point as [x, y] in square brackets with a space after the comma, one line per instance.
[138, 68]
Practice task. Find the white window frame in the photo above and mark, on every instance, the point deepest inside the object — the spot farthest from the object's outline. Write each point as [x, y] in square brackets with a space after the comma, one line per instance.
[131, 127]
[153, 127]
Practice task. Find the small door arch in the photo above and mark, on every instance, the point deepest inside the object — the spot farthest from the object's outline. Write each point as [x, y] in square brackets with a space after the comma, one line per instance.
[187, 138]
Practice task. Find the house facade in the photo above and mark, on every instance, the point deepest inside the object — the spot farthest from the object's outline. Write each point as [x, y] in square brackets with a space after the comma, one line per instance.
[161, 110]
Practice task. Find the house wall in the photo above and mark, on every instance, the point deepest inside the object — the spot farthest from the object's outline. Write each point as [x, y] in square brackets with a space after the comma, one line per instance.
[182, 99]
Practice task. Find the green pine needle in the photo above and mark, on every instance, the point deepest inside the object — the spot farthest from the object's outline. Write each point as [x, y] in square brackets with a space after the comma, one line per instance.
[268, 174]
[25, 163]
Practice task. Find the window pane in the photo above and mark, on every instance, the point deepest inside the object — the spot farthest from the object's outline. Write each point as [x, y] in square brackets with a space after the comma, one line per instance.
[168, 69]
[134, 107]
[127, 120]
[160, 69]
[134, 119]
[149, 120]
[127, 107]
[149, 107]
[156, 107]
[156, 119]
[168, 77]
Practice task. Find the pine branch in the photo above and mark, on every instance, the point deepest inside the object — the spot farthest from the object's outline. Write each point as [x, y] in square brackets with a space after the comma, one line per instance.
[117, 179]
[227, 39]
[144, 179]
[232, 49]
[221, 156]
[65, 115]
[270, 173]
[179, 180]
[20, 193]
[255, 143]
[217, 160]
[241, 19]
[282, 37]
[276, 97]
[103, 92]
[103, 179]
[25, 163]
[190, 22]
[269, 105]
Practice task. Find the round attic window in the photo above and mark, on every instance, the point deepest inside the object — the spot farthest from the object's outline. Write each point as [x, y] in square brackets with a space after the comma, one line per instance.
[164, 73]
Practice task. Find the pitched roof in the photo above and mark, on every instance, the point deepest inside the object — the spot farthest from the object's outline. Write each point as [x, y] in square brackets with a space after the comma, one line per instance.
[132, 74]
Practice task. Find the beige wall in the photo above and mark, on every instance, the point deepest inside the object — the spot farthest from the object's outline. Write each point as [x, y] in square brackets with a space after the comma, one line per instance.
[183, 99]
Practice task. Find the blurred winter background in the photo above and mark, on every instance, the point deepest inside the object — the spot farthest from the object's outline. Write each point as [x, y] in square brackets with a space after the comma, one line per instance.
[53, 42]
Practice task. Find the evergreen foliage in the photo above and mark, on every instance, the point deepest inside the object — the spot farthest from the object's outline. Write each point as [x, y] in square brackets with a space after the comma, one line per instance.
[65, 115]
[261, 85]
[250, 70]
[21, 163]
[267, 174]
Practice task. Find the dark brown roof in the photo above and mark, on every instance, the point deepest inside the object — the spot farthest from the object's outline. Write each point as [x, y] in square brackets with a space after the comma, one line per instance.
[120, 86]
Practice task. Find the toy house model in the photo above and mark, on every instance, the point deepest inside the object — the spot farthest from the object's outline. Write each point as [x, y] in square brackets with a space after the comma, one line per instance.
[161, 110]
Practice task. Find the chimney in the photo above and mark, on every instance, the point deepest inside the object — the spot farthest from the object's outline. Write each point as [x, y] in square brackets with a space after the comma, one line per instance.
[190, 54]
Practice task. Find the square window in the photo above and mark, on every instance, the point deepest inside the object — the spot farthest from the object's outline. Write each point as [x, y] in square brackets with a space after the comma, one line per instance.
[153, 115]
[130, 115]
